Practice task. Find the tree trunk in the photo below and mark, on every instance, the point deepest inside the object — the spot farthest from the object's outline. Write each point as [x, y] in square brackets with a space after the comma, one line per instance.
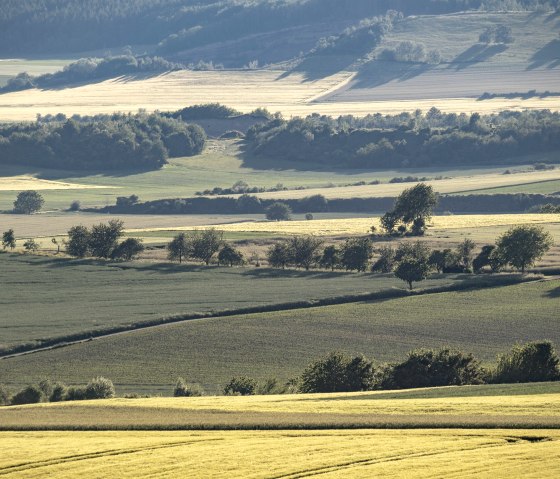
[410, 285]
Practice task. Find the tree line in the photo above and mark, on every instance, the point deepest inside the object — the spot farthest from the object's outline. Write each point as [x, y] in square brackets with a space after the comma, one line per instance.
[338, 143]
[422, 368]
[535, 361]
[123, 141]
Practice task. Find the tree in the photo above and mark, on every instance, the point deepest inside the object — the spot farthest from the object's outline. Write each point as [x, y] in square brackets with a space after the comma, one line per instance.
[28, 395]
[128, 249]
[204, 244]
[28, 202]
[389, 222]
[242, 386]
[532, 362]
[337, 372]
[432, 368]
[417, 250]
[100, 388]
[183, 389]
[31, 246]
[303, 250]
[487, 257]
[278, 212]
[355, 254]
[411, 270]
[438, 259]
[278, 255]
[464, 252]
[230, 256]
[78, 241]
[75, 206]
[330, 257]
[103, 238]
[386, 261]
[416, 203]
[178, 248]
[521, 246]
[9, 239]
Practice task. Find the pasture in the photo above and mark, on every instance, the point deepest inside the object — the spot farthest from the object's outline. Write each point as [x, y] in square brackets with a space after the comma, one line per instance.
[485, 322]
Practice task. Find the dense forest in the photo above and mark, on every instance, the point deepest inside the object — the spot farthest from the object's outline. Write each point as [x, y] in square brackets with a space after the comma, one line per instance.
[49, 26]
[407, 139]
[118, 141]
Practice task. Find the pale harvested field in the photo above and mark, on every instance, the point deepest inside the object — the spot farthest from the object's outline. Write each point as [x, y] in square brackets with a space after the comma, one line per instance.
[357, 226]
[245, 91]
[58, 223]
[282, 454]
[447, 186]
[25, 182]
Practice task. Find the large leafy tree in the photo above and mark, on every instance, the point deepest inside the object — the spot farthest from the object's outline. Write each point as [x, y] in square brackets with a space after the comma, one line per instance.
[178, 248]
[304, 250]
[28, 202]
[278, 212]
[355, 254]
[412, 270]
[205, 244]
[521, 246]
[104, 237]
[78, 241]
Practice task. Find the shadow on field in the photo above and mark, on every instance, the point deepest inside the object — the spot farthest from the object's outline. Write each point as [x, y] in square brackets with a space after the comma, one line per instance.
[553, 293]
[548, 55]
[293, 273]
[377, 73]
[477, 53]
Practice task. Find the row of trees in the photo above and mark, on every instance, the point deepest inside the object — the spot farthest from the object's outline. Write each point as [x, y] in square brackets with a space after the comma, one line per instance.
[203, 245]
[124, 141]
[339, 372]
[404, 141]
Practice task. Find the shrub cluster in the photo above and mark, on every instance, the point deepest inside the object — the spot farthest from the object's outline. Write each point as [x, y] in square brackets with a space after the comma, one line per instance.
[47, 391]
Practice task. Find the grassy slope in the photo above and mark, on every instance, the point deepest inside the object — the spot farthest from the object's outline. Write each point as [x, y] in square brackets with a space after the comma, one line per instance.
[282, 454]
[211, 351]
[49, 297]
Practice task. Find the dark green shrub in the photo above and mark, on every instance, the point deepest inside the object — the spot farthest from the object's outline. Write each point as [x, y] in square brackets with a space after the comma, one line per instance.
[58, 392]
[431, 368]
[242, 386]
[28, 395]
[337, 373]
[100, 388]
[183, 389]
[75, 393]
[531, 362]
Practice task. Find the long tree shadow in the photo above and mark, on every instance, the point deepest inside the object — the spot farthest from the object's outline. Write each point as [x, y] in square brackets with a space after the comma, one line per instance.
[553, 293]
[377, 73]
[477, 53]
[548, 55]
[317, 67]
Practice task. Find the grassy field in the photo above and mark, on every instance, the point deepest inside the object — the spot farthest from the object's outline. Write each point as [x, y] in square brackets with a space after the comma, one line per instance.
[547, 187]
[211, 351]
[224, 162]
[50, 297]
[283, 454]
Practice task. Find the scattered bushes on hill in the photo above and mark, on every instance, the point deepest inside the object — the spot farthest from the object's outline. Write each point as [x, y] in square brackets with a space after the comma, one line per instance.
[28, 395]
[120, 141]
[410, 52]
[496, 34]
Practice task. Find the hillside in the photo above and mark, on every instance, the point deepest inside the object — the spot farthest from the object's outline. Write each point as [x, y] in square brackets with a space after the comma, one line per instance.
[281, 344]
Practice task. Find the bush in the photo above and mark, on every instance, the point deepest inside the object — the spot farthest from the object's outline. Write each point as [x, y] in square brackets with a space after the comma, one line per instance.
[278, 212]
[75, 206]
[183, 389]
[75, 393]
[337, 373]
[241, 386]
[28, 395]
[128, 249]
[532, 362]
[28, 202]
[431, 368]
[100, 388]
[59, 392]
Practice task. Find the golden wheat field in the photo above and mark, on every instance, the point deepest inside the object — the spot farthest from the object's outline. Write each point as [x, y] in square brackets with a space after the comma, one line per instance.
[292, 94]
[357, 226]
[282, 454]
